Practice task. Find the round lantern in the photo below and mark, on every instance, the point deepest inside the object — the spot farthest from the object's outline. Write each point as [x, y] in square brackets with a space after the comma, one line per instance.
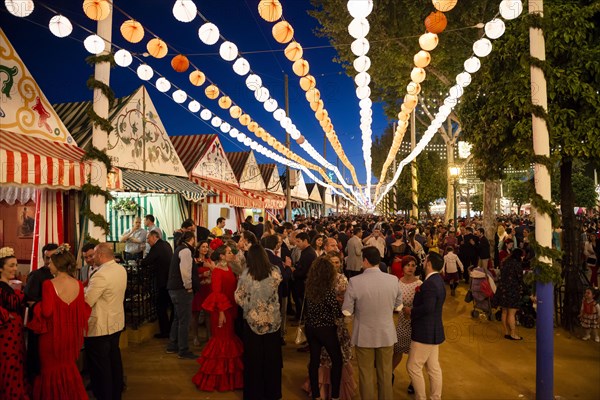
[96, 9]
[495, 28]
[455, 92]
[283, 32]
[363, 92]
[144, 72]
[428, 41]
[241, 66]
[436, 22]
[260, 132]
[132, 31]
[157, 48]
[325, 122]
[180, 63]
[360, 8]
[293, 51]
[286, 123]
[224, 102]
[316, 105]
[253, 127]
[253, 82]
[405, 109]
[94, 44]
[362, 64]
[358, 28]
[205, 114]
[234, 133]
[184, 10]
[262, 94]
[235, 112]
[270, 105]
[463, 79]
[413, 88]
[313, 95]
[19, 8]
[194, 106]
[245, 119]
[197, 78]
[482, 47]
[307, 82]
[278, 114]
[365, 103]
[271, 141]
[402, 116]
[329, 128]
[417, 75]
[422, 59]
[444, 5]
[228, 51]
[270, 10]
[225, 127]
[360, 47]
[212, 92]
[300, 140]
[510, 9]
[123, 58]
[362, 79]
[300, 67]
[209, 33]
[472, 65]
[241, 137]
[216, 121]
[321, 115]
[179, 96]
[163, 85]
[60, 26]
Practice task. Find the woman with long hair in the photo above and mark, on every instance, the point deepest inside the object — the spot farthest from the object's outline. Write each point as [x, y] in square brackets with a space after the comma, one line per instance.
[321, 315]
[508, 292]
[221, 360]
[269, 229]
[205, 267]
[257, 295]
[317, 243]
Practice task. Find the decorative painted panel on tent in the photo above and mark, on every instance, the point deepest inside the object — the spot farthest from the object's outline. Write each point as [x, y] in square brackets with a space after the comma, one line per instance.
[299, 191]
[246, 170]
[23, 107]
[213, 162]
[313, 192]
[329, 198]
[270, 175]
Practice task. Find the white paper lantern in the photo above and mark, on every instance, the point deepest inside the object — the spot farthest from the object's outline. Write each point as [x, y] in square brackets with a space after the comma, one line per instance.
[428, 41]
[495, 28]
[248, 141]
[285, 123]
[253, 145]
[360, 8]
[482, 47]
[360, 47]
[163, 85]
[270, 105]
[463, 79]
[241, 66]
[417, 75]
[19, 8]
[363, 92]
[216, 121]
[366, 112]
[362, 64]
[358, 28]
[365, 103]
[179, 96]
[209, 33]
[450, 102]
[511, 9]
[94, 44]
[455, 92]
[362, 79]
[233, 132]
[241, 137]
[225, 127]
[472, 65]
[123, 58]
[194, 106]
[228, 51]
[184, 10]
[279, 114]
[60, 26]
[295, 135]
[253, 82]
[262, 94]
[144, 72]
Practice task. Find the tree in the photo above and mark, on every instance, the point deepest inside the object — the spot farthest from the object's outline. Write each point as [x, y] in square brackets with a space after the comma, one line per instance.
[477, 202]
[583, 187]
[518, 190]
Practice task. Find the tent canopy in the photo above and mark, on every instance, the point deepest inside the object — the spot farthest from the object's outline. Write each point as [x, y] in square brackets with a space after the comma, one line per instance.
[145, 182]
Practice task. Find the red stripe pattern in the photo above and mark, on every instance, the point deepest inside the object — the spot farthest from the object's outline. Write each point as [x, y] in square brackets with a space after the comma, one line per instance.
[227, 193]
[191, 148]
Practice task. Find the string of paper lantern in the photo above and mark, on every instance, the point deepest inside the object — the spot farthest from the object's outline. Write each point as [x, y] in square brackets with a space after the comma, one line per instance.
[493, 29]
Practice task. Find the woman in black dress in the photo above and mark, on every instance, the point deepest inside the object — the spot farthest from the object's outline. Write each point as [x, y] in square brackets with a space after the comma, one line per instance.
[508, 294]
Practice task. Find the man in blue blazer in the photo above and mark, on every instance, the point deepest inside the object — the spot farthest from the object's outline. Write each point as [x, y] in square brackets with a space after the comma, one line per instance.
[427, 330]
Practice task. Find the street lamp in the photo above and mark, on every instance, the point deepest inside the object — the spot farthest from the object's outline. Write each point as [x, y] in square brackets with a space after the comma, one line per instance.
[454, 174]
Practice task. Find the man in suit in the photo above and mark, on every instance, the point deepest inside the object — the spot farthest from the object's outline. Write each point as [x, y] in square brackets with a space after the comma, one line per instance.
[354, 260]
[105, 294]
[88, 267]
[483, 249]
[159, 259]
[372, 297]
[301, 268]
[259, 228]
[427, 330]
[468, 251]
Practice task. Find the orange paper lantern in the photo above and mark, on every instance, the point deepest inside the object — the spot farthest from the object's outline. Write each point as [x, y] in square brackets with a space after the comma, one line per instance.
[224, 102]
[235, 112]
[321, 114]
[413, 88]
[270, 10]
[212, 92]
[313, 95]
[422, 59]
[96, 9]
[300, 67]
[403, 116]
[157, 48]
[436, 22]
[329, 129]
[245, 119]
[324, 122]
[180, 63]
[293, 51]
[283, 32]
[444, 5]
[197, 78]
[260, 132]
[132, 31]
[308, 82]
[316, 105]
[271, 141]
[300, 140]
[253, 127]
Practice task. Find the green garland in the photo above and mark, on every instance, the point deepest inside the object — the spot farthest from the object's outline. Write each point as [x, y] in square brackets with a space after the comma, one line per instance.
[93, 190]
[97, 219]
[89, 239]
[97, 120]
[109, 58]
[93, 153]
[92, 83]
[544, 272]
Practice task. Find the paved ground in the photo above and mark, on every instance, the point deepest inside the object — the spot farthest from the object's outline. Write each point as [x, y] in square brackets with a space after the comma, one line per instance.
[477, 362]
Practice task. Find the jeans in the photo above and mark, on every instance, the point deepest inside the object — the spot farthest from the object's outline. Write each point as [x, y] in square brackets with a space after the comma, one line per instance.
[182, 302]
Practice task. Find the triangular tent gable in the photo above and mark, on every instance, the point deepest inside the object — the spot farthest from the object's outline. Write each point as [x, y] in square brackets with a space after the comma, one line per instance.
[246, 170]
[23, 106]
[213, 162]
[270, 175]
[300, 191]
[313, 192]
[328, 197]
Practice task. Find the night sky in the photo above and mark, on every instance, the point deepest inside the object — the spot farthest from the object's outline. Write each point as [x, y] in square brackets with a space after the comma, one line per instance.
[60, 69]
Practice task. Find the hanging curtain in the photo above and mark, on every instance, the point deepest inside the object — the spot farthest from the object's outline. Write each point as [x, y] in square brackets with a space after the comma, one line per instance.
[48, 222]
[239, 217]
[13, 194]
[167, 211]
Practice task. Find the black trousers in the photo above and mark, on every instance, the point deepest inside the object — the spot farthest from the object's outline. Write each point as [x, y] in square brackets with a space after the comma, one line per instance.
[105, 366]
[298, 294]
[163, 306]
[263, 363]
[324, 337]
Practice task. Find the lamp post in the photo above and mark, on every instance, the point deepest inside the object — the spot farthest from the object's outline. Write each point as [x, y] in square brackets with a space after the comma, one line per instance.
[454, 173]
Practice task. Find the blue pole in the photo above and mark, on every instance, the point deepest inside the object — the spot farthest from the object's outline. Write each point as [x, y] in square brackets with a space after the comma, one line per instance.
[544, 385]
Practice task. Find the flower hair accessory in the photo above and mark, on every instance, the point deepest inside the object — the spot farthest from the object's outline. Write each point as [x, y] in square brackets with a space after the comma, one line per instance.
[215, 244]
[7, 252]
[63, 248]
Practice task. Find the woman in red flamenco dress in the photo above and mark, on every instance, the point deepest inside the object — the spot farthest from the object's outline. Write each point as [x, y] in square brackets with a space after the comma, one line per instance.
[221, 366]
[61, 320]
[12, 347]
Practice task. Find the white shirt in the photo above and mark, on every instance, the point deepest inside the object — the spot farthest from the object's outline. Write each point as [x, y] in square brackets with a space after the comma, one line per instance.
[378, 242]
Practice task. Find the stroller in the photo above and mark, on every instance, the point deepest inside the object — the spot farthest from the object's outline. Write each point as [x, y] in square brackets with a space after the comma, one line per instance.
[482, 289]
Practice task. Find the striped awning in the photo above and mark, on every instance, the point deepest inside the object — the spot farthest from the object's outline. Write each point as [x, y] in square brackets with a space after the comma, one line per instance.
[146, 182]
[29, 161]
[268, 200]
[227, 193]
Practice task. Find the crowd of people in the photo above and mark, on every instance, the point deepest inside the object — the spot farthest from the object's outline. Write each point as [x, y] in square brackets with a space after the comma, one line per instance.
[249, 288]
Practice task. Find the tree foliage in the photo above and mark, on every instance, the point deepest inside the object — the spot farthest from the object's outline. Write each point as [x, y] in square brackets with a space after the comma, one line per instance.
[477, 202]
[518, 190]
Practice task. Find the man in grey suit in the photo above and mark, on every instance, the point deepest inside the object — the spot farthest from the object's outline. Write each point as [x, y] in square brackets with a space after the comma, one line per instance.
[354, 261]
[372, 297]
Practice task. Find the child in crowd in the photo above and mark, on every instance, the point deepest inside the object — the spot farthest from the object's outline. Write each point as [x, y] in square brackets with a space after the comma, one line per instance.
[589, 315]
[451, 266]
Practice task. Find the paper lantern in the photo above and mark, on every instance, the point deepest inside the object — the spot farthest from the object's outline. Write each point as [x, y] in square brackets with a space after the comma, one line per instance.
[360, 47]
[96, 9]
[360, 8]
[144, 72]
[428, 41]
[283, 32]
[316, 105]
[358, 28]
[271, 141]
[300, 67]
[270, 105]
[245, 119]
[308, 82]
[260, 132]
[363, 92]
[270, 10]
[194, 106]
[403, 116]
[300, 140]
[278, 114]
[321, 115]
[235, 112]
[253, 127]
[510, 9]
[241, 137]
[224, 102]
[132, 31]
[417, 75]
[293, 51]
[495, 28]
[405, 109]
[123, 58]
[313, 95]
[205, 114]
[157, 48]
[286, 123]
[184, 10]
[216, 121]
[463, 79]
[197, 78]
[228, 51]
[422, 59]
[362, 79]
[455, 92]
[60, 26]
[179, 96]
[212, 92]
[209, 33]
[472, 65]
[241, 66]
[262, 94]
[444, 5]
[436, 22]
[362, 64]
[225, 127]
[163, 85]
[253, 82]
[94, 44]
[365, 103]
[180, 63]
[482, 47]
[19, 8]
[413, 88]
[234, 133]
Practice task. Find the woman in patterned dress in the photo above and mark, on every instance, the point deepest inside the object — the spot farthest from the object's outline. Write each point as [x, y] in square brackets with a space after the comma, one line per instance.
[408, 286]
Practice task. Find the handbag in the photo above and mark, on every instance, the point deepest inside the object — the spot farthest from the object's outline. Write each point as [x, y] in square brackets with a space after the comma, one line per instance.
[300, 334]
[469, 296]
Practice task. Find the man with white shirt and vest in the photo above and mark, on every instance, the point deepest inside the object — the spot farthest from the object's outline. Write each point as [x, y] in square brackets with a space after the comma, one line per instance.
[105, 294]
